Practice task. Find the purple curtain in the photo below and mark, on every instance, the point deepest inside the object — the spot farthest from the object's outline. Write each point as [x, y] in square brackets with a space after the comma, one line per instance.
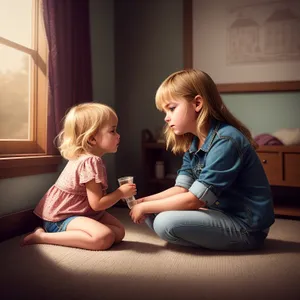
[70, 72]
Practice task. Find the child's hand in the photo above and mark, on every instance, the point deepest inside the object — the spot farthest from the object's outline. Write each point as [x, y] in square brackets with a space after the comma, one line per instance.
[137, 214]
[127, 190]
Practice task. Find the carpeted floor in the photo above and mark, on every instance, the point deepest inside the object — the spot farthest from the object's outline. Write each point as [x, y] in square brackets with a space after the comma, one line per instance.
[145, 267]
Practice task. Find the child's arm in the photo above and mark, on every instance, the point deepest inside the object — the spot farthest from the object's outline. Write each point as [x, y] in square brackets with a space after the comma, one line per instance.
[183, 201]
[175, 190]
[99, 202]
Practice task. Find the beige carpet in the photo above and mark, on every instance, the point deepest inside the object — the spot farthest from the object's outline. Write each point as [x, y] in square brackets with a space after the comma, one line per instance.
[145, 267]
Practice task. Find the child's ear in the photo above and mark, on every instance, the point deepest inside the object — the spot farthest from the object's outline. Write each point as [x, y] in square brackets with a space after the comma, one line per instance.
[92, 141]
[198, 103]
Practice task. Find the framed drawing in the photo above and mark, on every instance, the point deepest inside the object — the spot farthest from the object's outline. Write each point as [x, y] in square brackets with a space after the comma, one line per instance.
[245, 46]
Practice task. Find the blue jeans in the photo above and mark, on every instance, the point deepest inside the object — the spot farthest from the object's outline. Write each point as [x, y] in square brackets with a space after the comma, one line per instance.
[209, 229]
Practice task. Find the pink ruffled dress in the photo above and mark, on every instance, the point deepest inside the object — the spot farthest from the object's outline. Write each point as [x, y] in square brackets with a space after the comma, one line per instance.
[68, 196]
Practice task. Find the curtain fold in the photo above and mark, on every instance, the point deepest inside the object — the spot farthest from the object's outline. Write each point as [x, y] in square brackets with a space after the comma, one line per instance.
[69, 63]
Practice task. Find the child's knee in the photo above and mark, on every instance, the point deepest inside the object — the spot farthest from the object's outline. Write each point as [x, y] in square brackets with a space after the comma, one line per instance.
[120, 234]
[104, 241]
[163, 226]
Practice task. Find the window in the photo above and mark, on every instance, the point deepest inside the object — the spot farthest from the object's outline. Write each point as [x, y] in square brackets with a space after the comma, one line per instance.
[23, 89]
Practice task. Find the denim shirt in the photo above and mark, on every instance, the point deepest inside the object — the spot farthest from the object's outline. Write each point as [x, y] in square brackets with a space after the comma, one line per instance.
[227, 175]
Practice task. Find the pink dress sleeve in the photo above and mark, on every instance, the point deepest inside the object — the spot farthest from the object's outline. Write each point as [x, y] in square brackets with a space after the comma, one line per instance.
[93, 168]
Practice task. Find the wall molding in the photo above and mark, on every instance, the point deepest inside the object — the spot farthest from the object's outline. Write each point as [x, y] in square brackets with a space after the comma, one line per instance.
[17, 224]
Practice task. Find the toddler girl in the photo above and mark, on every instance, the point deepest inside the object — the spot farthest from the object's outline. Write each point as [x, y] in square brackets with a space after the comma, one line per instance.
[73, 209]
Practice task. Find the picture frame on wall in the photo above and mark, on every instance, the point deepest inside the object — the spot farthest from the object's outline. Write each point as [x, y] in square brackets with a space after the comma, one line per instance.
[245, 46]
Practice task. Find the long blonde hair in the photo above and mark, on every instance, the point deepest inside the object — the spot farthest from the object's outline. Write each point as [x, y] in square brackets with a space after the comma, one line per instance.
[186, 85]
[80, 123]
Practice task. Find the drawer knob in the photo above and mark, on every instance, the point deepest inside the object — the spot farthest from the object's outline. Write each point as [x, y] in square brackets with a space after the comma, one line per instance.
[264, 161]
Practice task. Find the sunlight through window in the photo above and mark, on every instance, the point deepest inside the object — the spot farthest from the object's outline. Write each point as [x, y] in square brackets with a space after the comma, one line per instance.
[16, 28]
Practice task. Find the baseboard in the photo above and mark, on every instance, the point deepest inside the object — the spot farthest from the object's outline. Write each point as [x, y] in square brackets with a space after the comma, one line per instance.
[17, 224]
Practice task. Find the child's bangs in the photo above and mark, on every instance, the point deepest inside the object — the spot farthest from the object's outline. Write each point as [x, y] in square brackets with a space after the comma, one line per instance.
[164, 95]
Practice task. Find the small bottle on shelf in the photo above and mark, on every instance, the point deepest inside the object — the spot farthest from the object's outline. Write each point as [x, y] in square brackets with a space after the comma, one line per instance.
[160, 170]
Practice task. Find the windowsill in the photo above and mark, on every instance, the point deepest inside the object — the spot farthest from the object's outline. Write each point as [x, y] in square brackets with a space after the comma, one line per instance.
[28, 165]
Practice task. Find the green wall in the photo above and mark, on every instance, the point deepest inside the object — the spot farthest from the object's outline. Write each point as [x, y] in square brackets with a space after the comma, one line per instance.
[103, 67]
[266, 112]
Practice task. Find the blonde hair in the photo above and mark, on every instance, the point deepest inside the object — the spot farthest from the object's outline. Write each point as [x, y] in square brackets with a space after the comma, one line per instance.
[80, 123]
[186, 85]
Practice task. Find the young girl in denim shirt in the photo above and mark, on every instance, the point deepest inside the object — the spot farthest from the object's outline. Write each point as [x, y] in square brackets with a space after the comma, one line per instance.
[73, 209]
[221, 199]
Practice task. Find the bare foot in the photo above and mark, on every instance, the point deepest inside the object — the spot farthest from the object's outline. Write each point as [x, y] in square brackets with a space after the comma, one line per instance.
[33, 238]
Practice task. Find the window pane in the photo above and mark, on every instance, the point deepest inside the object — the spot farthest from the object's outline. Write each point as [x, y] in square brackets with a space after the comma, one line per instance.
[14, 93]
[15, 21]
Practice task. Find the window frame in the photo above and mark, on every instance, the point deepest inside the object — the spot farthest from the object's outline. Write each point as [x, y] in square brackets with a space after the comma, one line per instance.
[21, 158]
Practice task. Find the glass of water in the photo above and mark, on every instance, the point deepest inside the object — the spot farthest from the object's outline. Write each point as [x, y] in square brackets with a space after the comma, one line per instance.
[130, 200]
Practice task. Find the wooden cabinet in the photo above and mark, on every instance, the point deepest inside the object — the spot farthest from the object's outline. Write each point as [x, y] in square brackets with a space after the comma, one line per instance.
[281, 164]
[291, 169]
[272, 165]
[282, 167]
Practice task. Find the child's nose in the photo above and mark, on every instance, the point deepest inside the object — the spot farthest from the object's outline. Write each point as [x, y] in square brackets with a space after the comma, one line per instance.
[167, 118]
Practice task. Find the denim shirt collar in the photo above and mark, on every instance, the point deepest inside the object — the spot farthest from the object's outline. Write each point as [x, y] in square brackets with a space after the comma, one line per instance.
[214, 126]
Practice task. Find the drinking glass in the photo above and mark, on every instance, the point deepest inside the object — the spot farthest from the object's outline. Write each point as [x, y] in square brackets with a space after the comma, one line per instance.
[130, 200]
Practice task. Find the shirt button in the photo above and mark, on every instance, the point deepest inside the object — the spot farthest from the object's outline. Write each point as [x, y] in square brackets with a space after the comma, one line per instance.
[217, 203]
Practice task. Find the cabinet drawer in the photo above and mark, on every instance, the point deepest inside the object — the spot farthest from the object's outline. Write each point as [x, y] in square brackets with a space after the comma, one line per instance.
[291, 174]
[272, 166]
